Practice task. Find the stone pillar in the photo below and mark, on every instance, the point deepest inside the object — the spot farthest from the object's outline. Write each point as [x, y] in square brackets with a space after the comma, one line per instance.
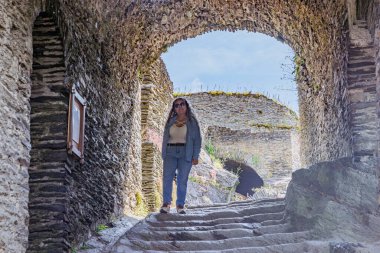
[156, 93]
[48, 199]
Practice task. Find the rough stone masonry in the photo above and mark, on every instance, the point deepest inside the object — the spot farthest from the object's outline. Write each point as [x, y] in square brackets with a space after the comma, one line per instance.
[107, 44]
[253, 130]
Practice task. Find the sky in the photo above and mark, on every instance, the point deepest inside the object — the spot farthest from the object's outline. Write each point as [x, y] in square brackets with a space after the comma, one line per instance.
[233, 61]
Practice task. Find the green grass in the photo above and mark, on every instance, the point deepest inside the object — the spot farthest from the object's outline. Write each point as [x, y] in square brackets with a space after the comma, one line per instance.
[101, 227]
[226, 93]
[212, 152]
[255, 159]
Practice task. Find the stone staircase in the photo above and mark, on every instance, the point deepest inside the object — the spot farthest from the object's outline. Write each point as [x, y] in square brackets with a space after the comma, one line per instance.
[249, 226]
[362, 96]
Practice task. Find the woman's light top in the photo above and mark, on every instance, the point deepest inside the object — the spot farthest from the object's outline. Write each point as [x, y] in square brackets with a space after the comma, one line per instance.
[177, 134]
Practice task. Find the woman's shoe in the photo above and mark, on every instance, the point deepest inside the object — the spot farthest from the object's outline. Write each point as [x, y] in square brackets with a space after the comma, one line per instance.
[165, 208]
[181, 209]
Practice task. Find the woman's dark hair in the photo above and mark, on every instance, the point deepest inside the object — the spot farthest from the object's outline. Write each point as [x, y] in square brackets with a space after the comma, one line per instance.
[189, 112]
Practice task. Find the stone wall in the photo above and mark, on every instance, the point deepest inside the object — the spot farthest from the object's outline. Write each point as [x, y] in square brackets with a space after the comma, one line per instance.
[15, 87]
[108, 182]
[156, 96]
[240, 110]
[269, 152]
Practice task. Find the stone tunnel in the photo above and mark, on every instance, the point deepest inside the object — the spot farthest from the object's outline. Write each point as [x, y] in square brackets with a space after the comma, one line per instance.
[110, 52]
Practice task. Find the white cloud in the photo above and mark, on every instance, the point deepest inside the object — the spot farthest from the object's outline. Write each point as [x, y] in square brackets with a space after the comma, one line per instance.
[196, 85]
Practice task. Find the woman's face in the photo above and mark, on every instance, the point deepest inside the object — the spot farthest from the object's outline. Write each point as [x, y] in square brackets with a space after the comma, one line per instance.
[180, 107]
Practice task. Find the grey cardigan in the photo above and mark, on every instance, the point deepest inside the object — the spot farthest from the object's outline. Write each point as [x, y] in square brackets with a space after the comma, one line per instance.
[193, 139]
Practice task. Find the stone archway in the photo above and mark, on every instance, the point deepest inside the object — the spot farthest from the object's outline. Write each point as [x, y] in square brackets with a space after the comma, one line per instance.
[107, 42]
[316, 32]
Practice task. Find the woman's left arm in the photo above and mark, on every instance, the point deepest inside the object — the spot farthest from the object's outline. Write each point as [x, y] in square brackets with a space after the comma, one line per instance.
[197, 141]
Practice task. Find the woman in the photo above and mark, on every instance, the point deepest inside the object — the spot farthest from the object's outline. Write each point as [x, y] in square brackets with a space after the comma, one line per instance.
[181, 146]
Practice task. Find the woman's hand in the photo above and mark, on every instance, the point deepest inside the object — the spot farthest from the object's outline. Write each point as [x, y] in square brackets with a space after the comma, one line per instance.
[194, 161]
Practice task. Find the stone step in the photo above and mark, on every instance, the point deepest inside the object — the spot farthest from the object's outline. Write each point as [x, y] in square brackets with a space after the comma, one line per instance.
[204, 228]
[362, 95]
[364, 107]
[198, 211]
[361, 64]
[360, 60]
[302, 247]
[363, 84]
[223, 213]
[195, 233]
[255, 218]
[361, 71]
[261, 228]
[356, 48]
[361, 56]
[216, 234]
[223, 244]
[241, 204]
[362, 78]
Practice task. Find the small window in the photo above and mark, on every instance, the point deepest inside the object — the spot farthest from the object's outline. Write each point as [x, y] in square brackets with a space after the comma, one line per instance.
[75, 137]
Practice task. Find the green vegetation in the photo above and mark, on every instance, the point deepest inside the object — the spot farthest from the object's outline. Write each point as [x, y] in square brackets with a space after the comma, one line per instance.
[157, 199]
[299, 63]
[316, 88]
[255, 159]
[219, 92]
[84, 247]
[201, 181]
[270, 126]
[101, 227]
[212, 152]
[210, 148]
[141, 208]
[196, 180]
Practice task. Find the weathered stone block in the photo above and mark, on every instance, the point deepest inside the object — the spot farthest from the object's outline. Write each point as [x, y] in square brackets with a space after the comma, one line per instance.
[329, 192]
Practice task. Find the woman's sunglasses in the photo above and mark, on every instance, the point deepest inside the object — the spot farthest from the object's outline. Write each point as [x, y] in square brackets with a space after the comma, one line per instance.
[179, 104]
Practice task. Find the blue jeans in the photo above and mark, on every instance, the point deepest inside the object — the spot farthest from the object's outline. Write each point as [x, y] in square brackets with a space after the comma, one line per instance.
[175, 160]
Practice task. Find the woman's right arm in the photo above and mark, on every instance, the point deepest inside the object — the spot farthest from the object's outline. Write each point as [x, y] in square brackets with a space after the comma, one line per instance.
[164, 141]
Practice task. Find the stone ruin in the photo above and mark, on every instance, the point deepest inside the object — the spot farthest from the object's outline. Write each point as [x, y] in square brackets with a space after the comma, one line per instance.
[50, 201]
[253, 135]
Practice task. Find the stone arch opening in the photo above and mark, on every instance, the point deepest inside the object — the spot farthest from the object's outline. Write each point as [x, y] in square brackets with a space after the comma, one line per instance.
[316, 32]
[246, 133]
[48, 197]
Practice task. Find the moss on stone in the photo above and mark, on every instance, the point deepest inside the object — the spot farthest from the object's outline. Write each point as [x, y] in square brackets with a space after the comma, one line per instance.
[141, 208]
[270, 126]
